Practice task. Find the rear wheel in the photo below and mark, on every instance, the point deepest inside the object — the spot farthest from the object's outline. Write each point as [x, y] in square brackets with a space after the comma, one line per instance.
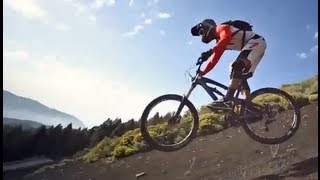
[279, 116]
[165, 130]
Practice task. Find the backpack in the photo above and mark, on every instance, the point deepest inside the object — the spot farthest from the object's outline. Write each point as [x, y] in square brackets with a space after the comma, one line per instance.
[241, 25]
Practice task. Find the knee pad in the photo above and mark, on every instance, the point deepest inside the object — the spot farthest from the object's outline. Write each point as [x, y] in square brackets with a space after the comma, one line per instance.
[237, 68]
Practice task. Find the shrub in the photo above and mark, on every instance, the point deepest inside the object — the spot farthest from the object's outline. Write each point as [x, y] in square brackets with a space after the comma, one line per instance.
[313, 89]
[102, 150]
[123, 151]
[270, 99]
[138, 137]
[300, 99]
[141, 146]
[313, 97]
[210, 123]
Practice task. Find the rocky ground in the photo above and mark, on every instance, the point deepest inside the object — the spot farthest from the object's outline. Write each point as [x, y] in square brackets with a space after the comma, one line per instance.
[230, 154]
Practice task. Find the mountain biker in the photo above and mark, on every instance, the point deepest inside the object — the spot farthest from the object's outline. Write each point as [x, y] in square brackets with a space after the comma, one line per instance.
[251, 46]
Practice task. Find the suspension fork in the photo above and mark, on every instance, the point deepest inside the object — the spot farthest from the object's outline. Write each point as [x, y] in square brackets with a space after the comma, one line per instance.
[184, 98]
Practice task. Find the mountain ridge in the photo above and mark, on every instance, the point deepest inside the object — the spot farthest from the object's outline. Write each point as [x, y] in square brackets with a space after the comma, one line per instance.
[19, 107]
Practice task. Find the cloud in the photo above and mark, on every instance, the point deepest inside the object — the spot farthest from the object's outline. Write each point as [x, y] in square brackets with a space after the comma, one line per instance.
[302, 55]
[110, 2]
[100, 3]
[164, 15]
[143, 15]
[80, 8]
[314, 49]
[62, 27]
[136, 30]
[152, 2]
[131, 2]
[15, 55]
[315, 36]
[162, 32]
[28, 9]
[86, 94]
[189, 43]
[92, 18]
[148, 21]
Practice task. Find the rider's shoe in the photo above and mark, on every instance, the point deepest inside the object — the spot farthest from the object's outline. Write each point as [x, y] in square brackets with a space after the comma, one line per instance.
[221, 104]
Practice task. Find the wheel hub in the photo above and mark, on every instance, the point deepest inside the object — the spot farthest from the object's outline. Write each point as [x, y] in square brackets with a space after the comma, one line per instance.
[272, 113]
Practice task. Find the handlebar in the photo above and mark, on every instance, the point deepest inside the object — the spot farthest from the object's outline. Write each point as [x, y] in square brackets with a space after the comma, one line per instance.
[198, 63]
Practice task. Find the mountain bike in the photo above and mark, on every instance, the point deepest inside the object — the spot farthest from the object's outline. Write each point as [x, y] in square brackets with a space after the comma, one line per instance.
[261, 115]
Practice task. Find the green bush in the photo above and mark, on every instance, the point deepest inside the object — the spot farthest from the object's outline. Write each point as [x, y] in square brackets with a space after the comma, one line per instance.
[272, 99]
[123, 151]
[138, 137]
[204, 110]
[313, 89]
[313, 97]
[102, 150]
[141, 146]
[295, 88]
[210, 123]
[300, 99]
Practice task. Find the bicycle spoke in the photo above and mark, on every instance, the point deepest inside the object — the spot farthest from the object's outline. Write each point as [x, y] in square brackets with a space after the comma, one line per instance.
[278, 118]
[163, 128]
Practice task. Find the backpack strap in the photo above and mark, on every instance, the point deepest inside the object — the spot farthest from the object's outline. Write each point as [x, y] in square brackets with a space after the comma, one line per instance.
[243, 38]
[235, 32]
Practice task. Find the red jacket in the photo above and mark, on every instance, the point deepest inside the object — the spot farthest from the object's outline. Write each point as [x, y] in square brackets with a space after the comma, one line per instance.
[224, 36]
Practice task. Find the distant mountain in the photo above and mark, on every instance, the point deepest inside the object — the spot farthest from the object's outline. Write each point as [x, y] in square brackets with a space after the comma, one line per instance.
[25, 124]
[18, 107]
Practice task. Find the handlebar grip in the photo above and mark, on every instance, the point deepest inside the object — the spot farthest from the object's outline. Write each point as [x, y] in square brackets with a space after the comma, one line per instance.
[200, 61]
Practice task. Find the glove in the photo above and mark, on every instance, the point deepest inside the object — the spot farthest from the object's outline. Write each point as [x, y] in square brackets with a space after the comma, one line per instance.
[205, 55]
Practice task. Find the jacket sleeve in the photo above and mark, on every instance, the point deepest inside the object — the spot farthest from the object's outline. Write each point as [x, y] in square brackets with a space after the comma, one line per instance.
[224, 35]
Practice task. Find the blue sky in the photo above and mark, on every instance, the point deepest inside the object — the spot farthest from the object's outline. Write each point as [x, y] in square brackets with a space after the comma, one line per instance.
[107, 58]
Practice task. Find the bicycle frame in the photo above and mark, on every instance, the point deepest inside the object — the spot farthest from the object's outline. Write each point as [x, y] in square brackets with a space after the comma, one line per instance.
[203, 81]
[212, 91]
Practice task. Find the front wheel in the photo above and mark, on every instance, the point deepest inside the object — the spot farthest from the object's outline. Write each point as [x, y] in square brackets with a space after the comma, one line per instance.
[163, 128]
[279, 116]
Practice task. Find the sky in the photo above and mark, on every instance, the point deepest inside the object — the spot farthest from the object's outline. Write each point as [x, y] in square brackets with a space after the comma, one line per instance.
[100, 59]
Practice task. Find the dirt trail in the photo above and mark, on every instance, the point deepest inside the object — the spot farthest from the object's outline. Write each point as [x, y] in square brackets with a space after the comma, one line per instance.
[230, 154]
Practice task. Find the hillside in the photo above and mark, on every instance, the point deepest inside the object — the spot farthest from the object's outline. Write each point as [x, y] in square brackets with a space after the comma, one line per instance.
[306, 89]
[230, 154]
[217, 153]
[18, 107]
